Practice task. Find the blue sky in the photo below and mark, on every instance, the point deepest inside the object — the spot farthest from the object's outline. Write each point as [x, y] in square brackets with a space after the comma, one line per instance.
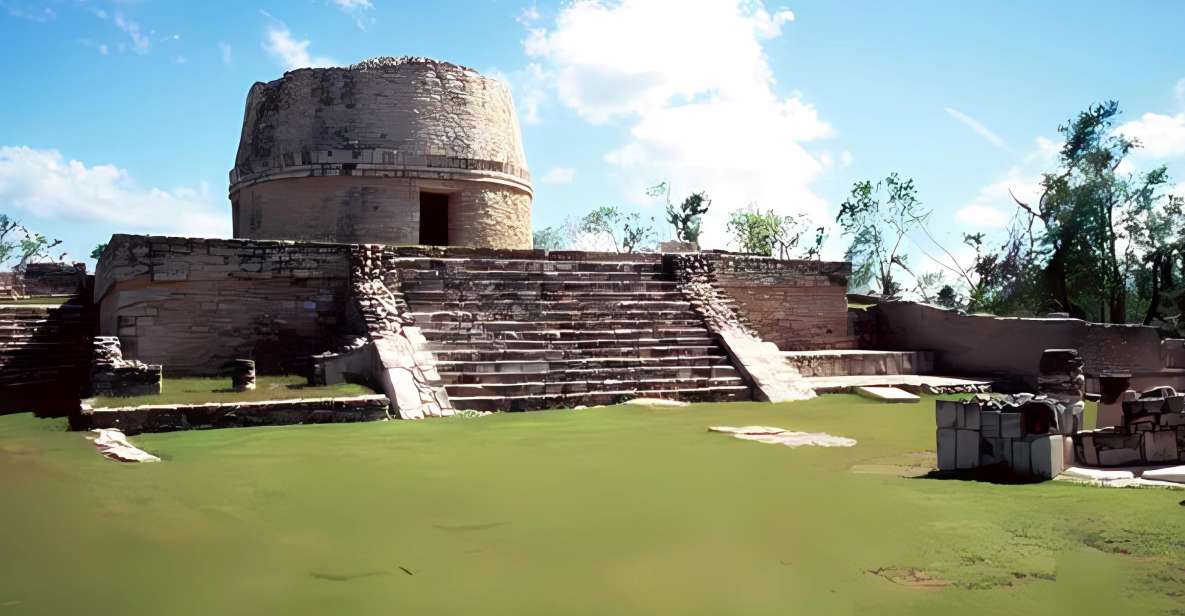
[125, 116]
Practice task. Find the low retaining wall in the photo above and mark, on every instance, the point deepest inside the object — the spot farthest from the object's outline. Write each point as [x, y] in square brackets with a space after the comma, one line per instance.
[1011, 348]
[167, 418]
[798, 305]
[193, 304]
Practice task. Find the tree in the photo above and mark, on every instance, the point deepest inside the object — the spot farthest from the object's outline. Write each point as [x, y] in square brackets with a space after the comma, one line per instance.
[685, 217]
[19, 246]
[769, 234]
[548, 238]
[98, 251]
[627, 232]
[877, 218]
[1098, 225]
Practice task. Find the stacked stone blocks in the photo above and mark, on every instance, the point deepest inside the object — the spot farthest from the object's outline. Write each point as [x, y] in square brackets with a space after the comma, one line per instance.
[112, 375]
[1152, 432]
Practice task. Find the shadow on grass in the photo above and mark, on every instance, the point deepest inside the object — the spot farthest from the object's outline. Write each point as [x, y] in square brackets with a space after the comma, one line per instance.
[998, 474]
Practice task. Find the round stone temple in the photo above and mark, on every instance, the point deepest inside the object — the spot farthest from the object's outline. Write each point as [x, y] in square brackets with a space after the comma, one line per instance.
[387, 151]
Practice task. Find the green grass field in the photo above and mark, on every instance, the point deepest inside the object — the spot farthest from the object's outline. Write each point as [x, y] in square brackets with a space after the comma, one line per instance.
[202, 390]
[620, 510]
[34, 301]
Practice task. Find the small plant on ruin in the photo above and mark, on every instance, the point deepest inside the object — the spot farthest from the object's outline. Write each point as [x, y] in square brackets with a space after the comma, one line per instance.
[19, 245]
[771, 234]
[626, 232]
[685, 217]
[878, 218]
[98, 251]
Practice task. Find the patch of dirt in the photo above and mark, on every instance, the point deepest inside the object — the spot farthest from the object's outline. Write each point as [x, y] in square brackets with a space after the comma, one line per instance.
[908, 576]
[911, 465]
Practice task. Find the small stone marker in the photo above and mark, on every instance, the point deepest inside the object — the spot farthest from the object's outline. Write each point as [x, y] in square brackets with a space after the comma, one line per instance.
[887, 394]
[242, 374]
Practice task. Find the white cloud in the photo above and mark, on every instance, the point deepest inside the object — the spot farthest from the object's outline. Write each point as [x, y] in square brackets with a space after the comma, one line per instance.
[47, 186]
[140, 41]
[1159, 135]
[558, 175]
[846, 159]
[291, 53]
[39, 15]
[693, 83]
[357, 9]
[227, 53]
[981, 216]
[978, 127]
[528, 15]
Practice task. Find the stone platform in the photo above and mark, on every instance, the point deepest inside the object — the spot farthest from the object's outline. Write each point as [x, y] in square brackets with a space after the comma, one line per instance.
[859, 362]
[923, 383]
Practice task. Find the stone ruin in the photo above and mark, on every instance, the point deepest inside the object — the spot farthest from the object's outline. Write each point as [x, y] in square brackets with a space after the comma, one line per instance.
[1152, 431]
[1041, 435]
[112, 375]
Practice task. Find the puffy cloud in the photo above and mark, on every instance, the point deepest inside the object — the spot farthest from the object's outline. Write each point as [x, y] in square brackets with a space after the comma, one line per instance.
[993, 206]
[558, 175]
[47, 186]
[978, 127]
[693, 83]
[140, 40]
[291, 53]
[357, 9]
[1159, 135]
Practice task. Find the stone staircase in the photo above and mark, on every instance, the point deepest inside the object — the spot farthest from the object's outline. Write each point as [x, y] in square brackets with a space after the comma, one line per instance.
[44, 358]
[544, 332]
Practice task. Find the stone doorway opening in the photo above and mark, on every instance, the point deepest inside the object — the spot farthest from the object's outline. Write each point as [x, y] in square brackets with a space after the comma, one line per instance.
[433, 219]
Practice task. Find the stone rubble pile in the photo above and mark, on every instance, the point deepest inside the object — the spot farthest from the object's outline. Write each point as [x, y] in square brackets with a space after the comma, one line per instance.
[112, 375]
[1030, 435]
[1152, 432]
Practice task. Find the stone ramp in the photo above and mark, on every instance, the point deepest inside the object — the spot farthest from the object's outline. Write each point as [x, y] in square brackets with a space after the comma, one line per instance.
[534, 331]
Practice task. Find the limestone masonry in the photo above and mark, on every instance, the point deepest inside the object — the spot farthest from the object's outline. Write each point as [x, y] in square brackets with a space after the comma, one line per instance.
[387, 151]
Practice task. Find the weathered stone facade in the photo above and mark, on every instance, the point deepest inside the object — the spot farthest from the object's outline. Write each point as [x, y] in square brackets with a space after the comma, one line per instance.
[797, 305]
[344, 155]
[194, 304]
[112, 375]
[166, 418]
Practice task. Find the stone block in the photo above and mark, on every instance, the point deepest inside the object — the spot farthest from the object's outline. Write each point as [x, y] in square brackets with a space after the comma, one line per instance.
[991, 451]
[1021, 457]
[947, 443]
[1160, 446]
[1011, 425]
[967, 449]
[989, 424]
[1047, 456]
[969, 416]
[946, 413]
[1116, 449]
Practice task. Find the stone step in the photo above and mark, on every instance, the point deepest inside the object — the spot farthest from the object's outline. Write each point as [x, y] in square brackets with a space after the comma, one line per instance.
[578, 316]
[571, 344]
[553, 388]
[519, 309]
[540, 402]
[526, 288]
[859, 362]
[527, 265]
[515, 366]
[409, 275]
[610, 337]
[558, 374]
[532, 298]
[609, 324]
[552, 354]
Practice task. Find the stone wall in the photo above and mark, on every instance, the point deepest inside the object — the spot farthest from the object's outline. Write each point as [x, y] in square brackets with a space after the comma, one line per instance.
[192, 304]
[167, 418]
[341, 154]
[369, 207]
[798, 305]
[1009, 347]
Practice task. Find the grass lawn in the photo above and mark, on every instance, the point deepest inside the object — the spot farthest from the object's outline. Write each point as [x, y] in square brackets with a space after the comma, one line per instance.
[32, 301]
[201, 390]
[620, 510]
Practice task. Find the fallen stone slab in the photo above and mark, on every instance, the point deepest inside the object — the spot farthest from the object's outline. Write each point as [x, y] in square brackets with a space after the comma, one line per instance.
[657, 402]
[887, 394]
[778, 436]
[1175, 474]
[114, 445]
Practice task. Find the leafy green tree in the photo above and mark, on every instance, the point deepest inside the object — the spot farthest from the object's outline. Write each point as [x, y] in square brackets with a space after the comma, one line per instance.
[627, 232]
[1097, 224]
[770, 234]
[548, 238]
[98, 251]
[878, 218]
[19, 245]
